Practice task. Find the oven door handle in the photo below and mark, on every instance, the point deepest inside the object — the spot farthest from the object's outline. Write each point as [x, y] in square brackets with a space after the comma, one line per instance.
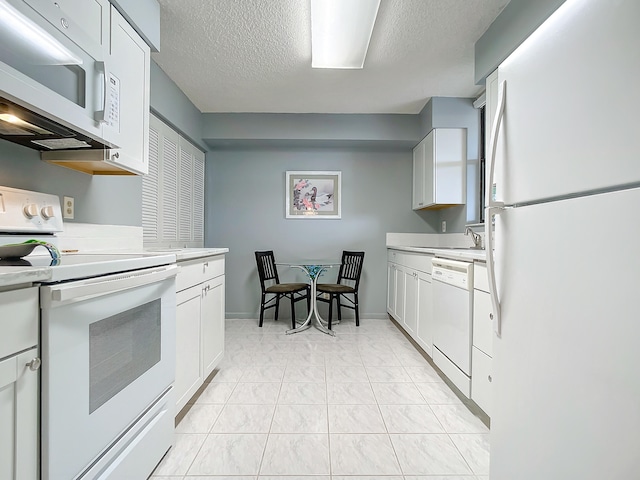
[95, 287]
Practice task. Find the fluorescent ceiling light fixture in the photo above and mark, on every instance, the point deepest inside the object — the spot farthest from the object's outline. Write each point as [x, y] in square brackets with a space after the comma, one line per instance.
[341, 31]
[32, 40]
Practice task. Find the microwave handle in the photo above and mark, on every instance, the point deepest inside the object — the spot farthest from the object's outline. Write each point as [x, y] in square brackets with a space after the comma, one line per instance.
[102, 116]
[85, 289]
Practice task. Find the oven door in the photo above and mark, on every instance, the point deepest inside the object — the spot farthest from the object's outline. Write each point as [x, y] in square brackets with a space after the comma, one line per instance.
[108, 357]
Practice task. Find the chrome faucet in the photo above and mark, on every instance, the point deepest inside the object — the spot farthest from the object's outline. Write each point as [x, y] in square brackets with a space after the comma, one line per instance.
[477, 239]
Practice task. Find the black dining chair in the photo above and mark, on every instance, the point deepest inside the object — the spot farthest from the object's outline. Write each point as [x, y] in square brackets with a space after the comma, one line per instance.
[347, 286]
[270, 285]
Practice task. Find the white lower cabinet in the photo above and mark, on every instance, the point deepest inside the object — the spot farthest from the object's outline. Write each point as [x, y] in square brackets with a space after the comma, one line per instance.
[410, 318]
[425, 317]
[481, 379]
[19, 418]
[199, 324]
[212, 324]
[188, 374]
[409, 295]
[482, 340]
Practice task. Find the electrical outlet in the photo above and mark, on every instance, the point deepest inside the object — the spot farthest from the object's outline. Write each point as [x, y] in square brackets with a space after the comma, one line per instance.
[68, 208]
[444, 226]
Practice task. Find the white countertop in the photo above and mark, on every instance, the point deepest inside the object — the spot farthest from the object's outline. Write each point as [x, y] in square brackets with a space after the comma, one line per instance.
[183, 254]
[456, 253]
[23, 275]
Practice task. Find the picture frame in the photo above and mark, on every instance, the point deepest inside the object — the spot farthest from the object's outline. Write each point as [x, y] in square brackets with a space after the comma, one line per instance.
[313, 194]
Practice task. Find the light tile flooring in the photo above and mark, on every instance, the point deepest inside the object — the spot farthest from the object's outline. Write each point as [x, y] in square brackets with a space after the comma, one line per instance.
[361, 406]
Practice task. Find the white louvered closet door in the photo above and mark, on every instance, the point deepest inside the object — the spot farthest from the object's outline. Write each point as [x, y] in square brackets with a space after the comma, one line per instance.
[185, 182]
[198, 196]
[150, 192]
[173, 191]
[169, 186]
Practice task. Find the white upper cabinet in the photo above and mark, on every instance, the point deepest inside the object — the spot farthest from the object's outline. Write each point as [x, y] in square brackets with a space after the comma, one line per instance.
[128, 72]
[440, 169]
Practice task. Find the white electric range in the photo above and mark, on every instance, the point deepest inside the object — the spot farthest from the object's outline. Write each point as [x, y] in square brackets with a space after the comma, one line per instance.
[107, 345]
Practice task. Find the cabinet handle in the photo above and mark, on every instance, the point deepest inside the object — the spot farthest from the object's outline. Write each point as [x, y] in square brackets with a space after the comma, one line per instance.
[489, 378]
[491, 316]
[116, 155]
[34, 364]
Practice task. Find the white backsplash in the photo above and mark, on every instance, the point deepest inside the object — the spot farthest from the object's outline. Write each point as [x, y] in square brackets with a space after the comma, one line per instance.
[92, 238]
[432, 239]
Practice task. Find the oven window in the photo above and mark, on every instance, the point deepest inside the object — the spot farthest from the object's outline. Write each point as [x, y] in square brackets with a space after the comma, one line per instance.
[121, 349]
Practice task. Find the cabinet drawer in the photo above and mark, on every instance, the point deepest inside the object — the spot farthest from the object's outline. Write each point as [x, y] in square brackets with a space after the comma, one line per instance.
[19, 316]
[414, 260]
[482, 321]
[200, 270]
[481, 380]
[480, 278]
[420, 262]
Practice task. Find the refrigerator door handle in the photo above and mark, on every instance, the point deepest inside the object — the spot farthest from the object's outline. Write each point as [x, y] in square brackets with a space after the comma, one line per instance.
[494, 207]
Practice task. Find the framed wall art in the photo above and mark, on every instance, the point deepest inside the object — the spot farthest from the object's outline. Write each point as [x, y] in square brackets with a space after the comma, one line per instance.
[313, 195]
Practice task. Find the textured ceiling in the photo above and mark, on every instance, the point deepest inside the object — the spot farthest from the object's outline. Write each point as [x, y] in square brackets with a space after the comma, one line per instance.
[255, 56]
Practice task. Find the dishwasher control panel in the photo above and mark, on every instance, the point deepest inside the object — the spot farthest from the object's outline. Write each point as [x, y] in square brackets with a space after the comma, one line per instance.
[452, 272]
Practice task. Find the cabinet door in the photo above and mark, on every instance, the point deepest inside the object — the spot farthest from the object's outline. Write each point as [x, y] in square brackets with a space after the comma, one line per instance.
[450, 166]
[188, 373]
[483, 321]
[400, 293]
[19, 418]
[425, 313]
[128, 68]
[410, 318]
[212, 333]
[429, 167]
[391, 289]
[418, 176]
[481, 380]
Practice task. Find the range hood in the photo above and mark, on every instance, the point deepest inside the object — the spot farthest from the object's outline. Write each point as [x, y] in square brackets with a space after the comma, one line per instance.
[57, 144]
[19, 125]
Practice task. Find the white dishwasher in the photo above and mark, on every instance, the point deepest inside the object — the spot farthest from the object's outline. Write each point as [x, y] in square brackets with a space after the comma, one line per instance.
[452, 309]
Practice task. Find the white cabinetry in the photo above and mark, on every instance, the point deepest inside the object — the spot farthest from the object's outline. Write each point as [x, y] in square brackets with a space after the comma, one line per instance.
[440, 169]
[19, 385]
[409, 295]
[128, 68]
[199, 324]
[481, 351]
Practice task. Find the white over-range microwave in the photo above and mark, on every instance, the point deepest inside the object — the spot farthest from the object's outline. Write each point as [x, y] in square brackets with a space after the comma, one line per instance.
[57, 88]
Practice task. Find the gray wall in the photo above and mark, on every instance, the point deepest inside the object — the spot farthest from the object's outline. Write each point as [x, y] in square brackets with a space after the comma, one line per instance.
[245, 212]
[170, 104]
[514, 24]
[107, 200]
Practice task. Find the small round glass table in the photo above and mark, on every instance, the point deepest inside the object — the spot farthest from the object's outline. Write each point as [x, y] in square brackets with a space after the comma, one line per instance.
[313, 269]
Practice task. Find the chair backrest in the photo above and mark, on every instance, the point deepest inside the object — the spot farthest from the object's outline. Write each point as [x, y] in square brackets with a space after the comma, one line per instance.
[351, 268]
[267, 270]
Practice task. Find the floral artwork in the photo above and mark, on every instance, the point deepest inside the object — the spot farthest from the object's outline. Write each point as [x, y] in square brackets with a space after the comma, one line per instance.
[313, 195]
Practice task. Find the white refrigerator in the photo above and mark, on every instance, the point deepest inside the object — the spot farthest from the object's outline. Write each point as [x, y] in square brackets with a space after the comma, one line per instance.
[566, 265]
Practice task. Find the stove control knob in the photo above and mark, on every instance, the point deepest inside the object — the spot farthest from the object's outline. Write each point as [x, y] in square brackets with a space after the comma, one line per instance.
[31, 210]
[47, 212]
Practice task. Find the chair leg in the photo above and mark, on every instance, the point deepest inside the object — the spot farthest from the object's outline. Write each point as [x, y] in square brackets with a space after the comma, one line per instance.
[275, 316]
[262, 310]
[330, 310]
[293, 311]
[339, 307]
[355, 297]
